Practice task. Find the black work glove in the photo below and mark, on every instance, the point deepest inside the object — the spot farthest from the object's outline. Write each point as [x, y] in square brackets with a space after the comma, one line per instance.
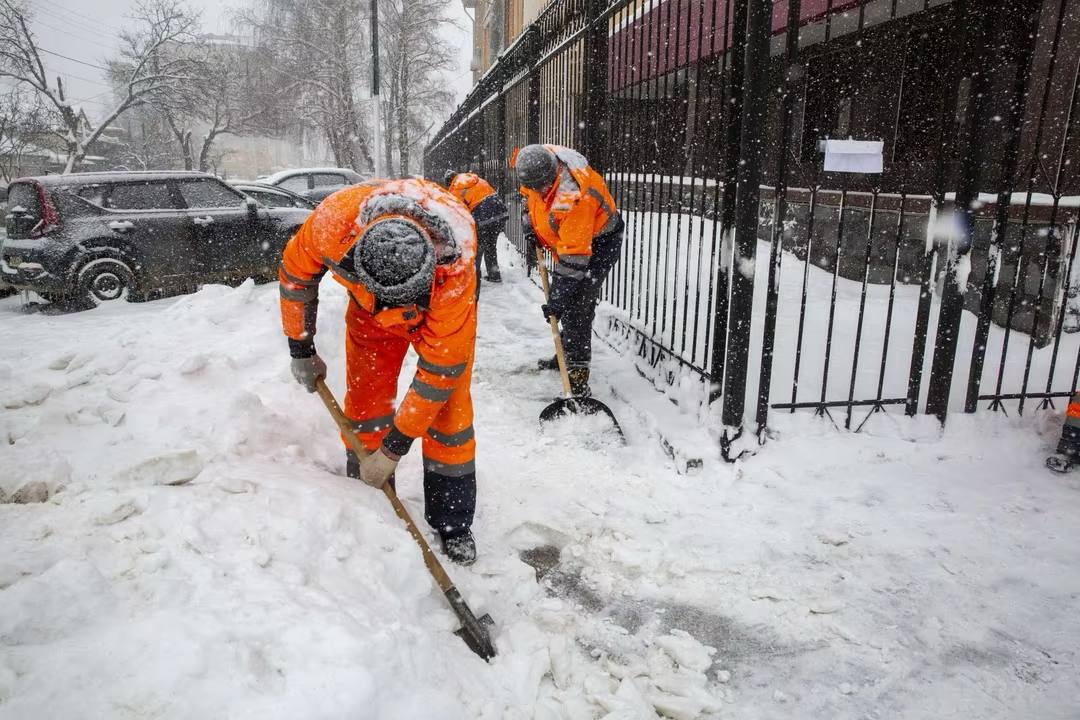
[550, 312]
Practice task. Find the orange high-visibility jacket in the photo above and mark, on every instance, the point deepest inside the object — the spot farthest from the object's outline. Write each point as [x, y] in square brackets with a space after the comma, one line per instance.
[471, 189]
[576, 210]
[443, 332]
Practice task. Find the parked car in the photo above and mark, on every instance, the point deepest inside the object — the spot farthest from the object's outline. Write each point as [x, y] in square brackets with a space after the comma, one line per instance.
[274, 197]
[89, 238]
[313, 183]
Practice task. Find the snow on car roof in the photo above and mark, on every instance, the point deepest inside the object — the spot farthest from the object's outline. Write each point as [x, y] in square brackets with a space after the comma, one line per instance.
[112, 176]
[282, 174]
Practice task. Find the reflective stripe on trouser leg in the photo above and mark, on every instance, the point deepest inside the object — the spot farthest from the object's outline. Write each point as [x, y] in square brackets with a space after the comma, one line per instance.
[373, 359]
[449, 461]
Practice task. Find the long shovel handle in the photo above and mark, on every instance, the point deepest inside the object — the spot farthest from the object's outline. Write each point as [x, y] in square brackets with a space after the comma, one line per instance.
[559, 355]
[432, 562]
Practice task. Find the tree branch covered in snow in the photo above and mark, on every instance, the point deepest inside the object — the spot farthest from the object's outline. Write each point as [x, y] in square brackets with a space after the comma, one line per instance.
[157, 24]
[416, 56]
[316, 55]
[23, 118]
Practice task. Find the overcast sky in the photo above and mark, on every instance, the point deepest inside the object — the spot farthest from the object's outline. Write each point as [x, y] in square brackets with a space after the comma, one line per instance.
[85, 33]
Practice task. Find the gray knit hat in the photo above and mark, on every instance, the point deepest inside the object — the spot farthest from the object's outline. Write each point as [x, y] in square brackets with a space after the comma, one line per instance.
[395, 260]
[536, 167]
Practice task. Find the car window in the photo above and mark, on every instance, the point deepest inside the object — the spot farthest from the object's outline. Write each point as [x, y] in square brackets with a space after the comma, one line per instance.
[23, 197]
[95, 194]
[296, 183]
[329, 180]
[209, 194]
[139, 196]
[269, 198]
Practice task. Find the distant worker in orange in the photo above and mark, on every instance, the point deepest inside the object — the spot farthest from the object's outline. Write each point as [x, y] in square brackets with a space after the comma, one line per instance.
[571, 213]
[489, 212]
[405, 251]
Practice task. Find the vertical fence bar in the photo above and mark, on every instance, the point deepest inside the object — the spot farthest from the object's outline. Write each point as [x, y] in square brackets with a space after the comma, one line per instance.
[892, 302]
[946, 135]
[823, 409]
[595, 87]
[792, 75]
[702, 74]
[796, 372]
[1017, 109]
[976, 29]
[736, 69]
[644, 65]
[1062, 162]
[862, 307]
[752, 152]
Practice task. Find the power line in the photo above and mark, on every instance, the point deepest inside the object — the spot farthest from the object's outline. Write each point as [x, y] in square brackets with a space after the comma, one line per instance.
[69, 33]
[78, 77]
[81, 62]
[90, 21]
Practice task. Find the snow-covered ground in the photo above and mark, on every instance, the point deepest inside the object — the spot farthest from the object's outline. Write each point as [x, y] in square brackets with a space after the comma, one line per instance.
[202, 556]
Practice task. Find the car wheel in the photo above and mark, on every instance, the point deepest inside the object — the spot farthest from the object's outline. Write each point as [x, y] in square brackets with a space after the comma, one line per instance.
[102, 281]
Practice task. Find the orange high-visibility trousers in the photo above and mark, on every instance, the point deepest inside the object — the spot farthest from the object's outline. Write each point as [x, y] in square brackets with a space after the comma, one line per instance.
[373, 360]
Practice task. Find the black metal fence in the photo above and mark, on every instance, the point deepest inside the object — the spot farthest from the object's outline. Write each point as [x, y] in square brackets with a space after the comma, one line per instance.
[945, 282]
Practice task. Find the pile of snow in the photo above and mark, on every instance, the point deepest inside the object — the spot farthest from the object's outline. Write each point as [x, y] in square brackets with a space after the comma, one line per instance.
[198, 552]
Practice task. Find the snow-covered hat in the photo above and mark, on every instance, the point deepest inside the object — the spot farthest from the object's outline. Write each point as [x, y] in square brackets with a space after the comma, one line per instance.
[536, 167]
[395, 259]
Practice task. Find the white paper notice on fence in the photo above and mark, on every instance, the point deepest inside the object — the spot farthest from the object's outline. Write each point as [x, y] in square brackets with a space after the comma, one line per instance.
[854, 156]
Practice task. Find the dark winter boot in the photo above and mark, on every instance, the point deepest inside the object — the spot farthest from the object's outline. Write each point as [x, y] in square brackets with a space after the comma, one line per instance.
[352, 469]
[494, 277]
[579, 382]
[551, 363]
[459, 546]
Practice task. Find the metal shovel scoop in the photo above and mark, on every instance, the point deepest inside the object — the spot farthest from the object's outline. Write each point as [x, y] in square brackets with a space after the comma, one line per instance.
[568, 404]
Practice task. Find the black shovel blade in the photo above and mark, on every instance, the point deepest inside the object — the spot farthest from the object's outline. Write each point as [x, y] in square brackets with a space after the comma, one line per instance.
[474, 631]
[578, 406]
[1059, 464]
[479, 643]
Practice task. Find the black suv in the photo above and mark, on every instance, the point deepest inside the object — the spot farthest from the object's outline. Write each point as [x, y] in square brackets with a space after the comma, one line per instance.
[88, 238]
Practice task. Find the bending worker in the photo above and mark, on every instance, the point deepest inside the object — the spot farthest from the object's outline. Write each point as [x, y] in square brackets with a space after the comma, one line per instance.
[489, 212]
[404, 250]
[571, 213]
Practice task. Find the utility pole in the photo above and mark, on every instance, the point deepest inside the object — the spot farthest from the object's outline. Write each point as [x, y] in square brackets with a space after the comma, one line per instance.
[376, 106]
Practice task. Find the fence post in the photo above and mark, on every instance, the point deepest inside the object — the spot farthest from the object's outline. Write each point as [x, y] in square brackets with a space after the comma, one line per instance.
[729, 172]
[977, 24]
[998, 239]
[595, 87]
[752, 153]
[793, 72]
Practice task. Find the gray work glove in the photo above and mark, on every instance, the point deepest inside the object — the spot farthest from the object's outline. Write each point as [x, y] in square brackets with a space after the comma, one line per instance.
[308, 370]
[378, 467]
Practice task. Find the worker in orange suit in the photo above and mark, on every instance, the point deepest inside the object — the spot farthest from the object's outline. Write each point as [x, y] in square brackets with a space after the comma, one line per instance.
[569, 211]
[404, 250]
[489, 212]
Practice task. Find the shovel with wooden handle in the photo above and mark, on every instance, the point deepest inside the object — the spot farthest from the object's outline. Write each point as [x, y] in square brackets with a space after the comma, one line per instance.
[568, 404]
[474, 630]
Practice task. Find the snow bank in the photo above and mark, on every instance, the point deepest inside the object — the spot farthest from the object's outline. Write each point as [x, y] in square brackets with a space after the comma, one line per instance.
[201, 555]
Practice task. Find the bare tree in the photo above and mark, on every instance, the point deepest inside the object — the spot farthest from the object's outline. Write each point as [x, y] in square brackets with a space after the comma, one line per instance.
[150, 144]
[416, 56]
[23, 119]
[219, 96]
[158, 22]
[317, 53]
